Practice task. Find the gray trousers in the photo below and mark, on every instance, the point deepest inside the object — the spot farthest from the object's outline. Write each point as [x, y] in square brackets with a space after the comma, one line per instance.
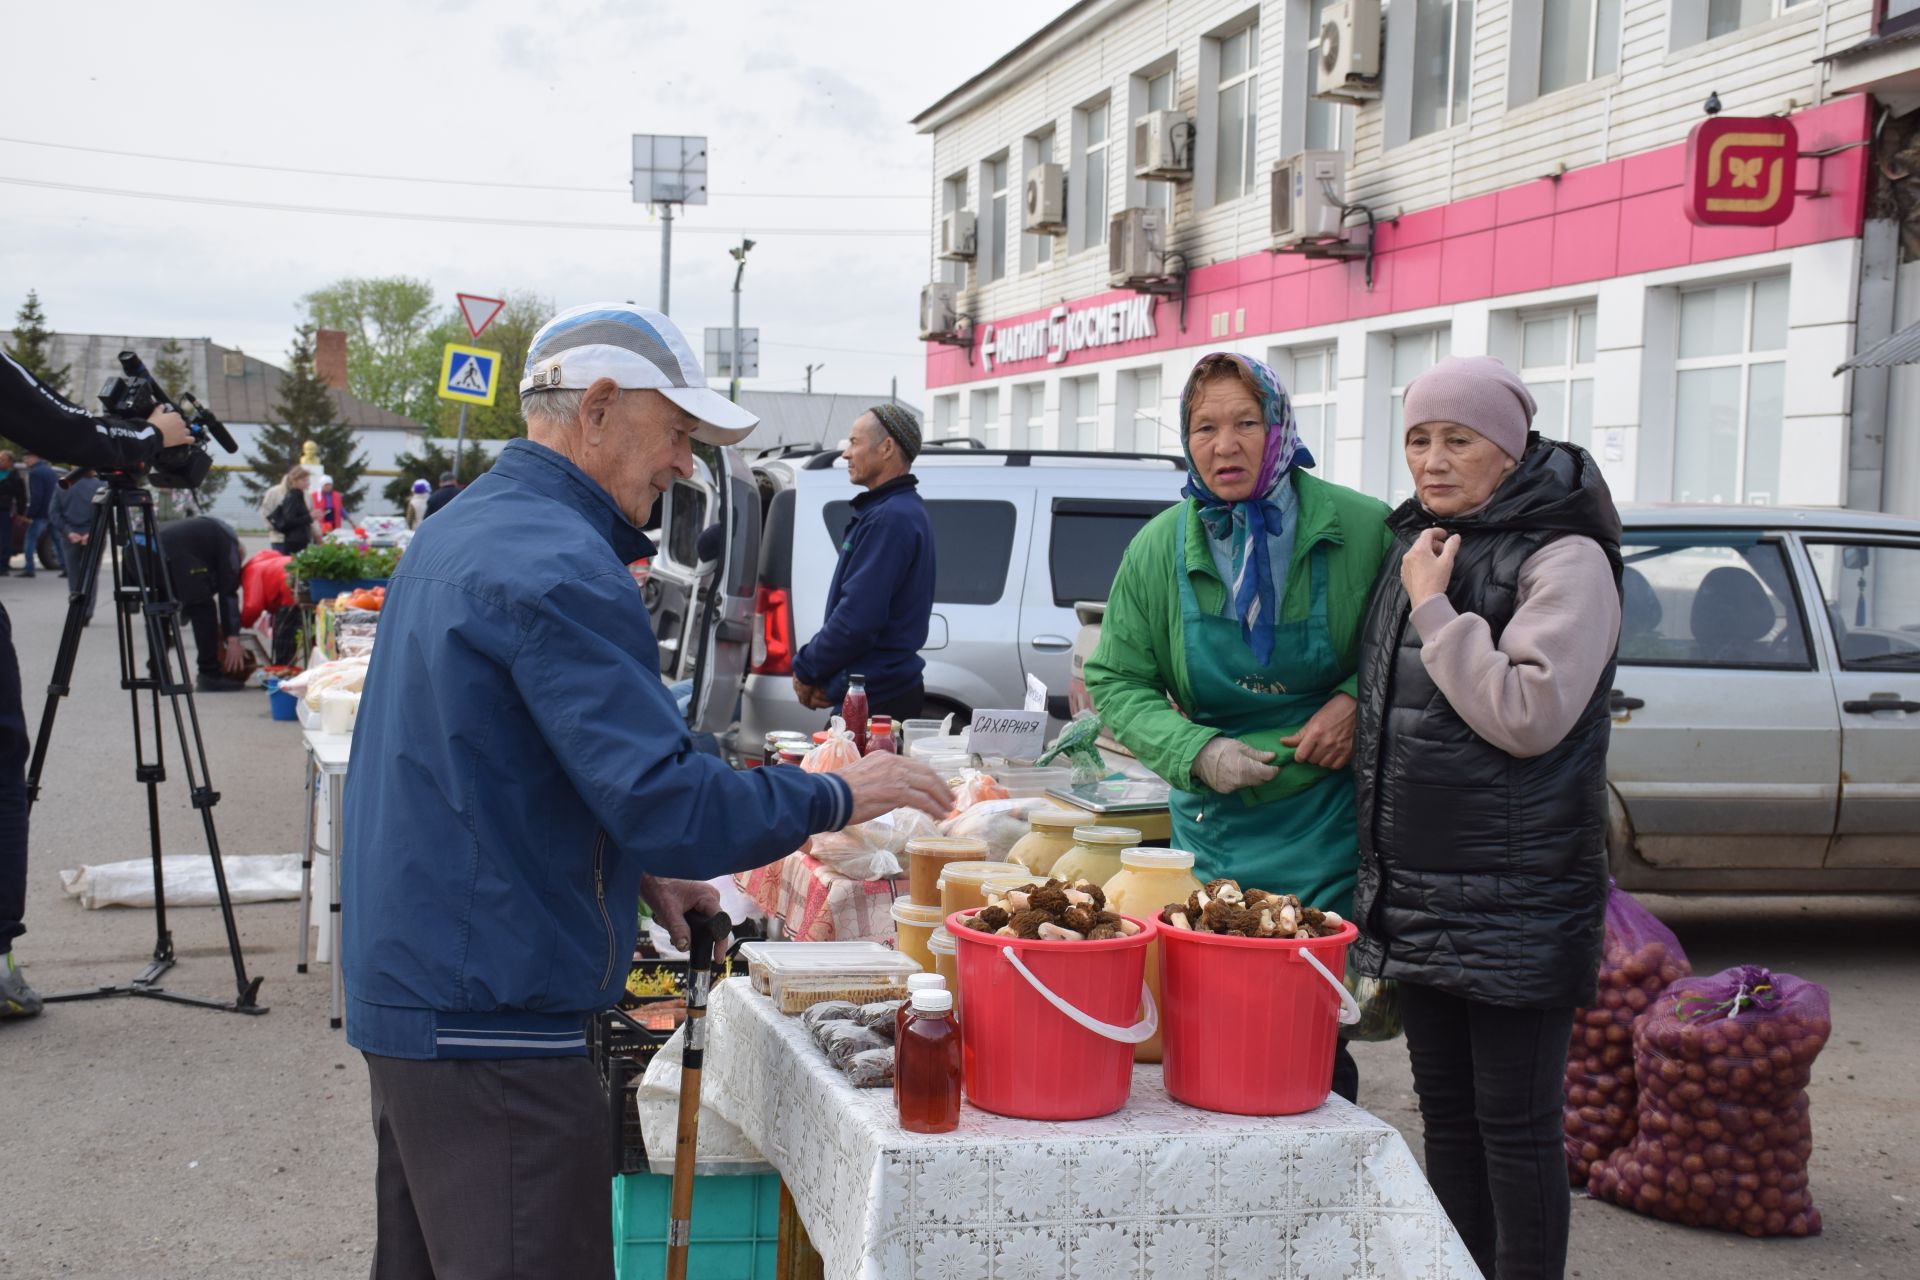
[494, 1169]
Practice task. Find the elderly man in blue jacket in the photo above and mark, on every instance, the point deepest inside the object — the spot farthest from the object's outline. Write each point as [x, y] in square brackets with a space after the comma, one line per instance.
[521, 781]
[881, 596]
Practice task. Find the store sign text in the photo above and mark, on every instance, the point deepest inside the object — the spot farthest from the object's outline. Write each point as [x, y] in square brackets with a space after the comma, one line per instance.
[1061, 332]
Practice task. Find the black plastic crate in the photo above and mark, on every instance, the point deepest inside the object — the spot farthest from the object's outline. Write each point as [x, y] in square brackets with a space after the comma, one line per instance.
[621, 1048]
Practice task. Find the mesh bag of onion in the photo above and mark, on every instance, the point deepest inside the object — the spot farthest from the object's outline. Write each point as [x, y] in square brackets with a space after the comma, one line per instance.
[1641, 958]
[1724, 1138]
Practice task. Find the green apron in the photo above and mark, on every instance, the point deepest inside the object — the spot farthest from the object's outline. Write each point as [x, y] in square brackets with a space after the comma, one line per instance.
[1305, 843]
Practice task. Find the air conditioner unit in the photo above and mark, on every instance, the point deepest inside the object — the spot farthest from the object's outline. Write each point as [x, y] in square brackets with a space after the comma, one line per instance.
[939, 312]
[1136, 248]
[1163, 146]
[1046, 200]
[957, 236]
[1349, 65]
[1307, 195]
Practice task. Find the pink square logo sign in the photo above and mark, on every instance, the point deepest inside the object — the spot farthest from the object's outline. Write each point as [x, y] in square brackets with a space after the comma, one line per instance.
[1741, 171]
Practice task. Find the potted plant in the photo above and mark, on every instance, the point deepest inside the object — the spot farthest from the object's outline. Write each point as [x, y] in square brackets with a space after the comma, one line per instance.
[329, 568]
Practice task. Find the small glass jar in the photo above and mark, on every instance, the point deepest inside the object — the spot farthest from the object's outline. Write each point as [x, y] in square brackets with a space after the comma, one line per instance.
[1051, 835]
[1095, 854]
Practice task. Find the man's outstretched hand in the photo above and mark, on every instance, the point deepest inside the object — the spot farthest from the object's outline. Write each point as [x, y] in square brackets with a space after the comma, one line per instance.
[883, 782]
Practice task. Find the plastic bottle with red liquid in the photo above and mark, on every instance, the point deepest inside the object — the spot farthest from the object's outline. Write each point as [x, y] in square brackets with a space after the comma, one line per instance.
[926, 1065]
[853, 710]
[880, 736]
[915, 982]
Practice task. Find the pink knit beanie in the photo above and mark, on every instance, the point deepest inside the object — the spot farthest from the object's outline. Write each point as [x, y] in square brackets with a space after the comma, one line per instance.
[1477, 392]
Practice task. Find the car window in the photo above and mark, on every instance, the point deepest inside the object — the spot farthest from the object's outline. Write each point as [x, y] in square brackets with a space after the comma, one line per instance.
[972, 546]
[1709, 600]
[687, 516]
[1872, 596]
[1089, 537]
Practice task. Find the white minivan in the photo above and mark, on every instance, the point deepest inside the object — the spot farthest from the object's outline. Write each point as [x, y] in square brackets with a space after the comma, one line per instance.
[1021, 536]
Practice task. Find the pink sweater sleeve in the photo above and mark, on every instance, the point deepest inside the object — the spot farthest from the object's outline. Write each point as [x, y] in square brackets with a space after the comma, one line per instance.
[1524, 694]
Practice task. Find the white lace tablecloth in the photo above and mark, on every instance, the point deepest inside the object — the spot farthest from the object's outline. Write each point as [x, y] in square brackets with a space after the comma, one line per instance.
[1156, 1190]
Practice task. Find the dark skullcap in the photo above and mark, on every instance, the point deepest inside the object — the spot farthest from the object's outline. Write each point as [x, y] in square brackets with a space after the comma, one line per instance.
[901, 425]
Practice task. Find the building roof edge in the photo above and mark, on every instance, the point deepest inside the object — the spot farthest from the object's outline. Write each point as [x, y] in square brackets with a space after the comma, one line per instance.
[1013, 62]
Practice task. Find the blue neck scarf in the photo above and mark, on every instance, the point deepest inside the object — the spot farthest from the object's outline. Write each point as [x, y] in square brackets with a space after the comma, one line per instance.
[1245, 530]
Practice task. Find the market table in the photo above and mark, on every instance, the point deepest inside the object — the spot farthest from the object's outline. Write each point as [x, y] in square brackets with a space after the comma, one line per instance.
[1157, 1189]
[325, 764]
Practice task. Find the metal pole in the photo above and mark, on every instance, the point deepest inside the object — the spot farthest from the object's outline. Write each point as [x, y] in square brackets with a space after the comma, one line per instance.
[460, 442]
[733, 361]
[666, 256]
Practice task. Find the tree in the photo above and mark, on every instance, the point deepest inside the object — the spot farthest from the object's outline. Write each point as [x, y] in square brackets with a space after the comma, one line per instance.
[428, 465]
[33, 344]
[510, 334]
[305, 412]
[173, 373]
[392, 358]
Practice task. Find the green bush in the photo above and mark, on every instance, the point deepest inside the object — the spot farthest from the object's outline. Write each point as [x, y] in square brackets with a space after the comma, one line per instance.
[336, 562]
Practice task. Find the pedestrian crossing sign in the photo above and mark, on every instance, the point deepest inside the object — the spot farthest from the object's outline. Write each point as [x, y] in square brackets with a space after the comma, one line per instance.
[469, 375]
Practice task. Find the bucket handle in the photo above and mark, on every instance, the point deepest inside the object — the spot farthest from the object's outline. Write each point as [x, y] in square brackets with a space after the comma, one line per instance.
[1349, 1007]
[1139, 1033]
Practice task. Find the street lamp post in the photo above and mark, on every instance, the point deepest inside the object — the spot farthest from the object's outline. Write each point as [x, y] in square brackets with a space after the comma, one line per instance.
[739, 255]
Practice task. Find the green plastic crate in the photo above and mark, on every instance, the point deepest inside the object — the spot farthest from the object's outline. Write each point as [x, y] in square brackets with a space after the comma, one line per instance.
[736, 1226]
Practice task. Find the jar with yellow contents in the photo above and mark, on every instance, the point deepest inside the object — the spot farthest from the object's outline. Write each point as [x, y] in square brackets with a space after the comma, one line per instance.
[1095, 854]
[1050, 836]
[1148, 880]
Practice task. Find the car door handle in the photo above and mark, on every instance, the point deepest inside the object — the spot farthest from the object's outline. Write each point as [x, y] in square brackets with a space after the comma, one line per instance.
[1878, 702]
[1051, 644]
[1618, 702]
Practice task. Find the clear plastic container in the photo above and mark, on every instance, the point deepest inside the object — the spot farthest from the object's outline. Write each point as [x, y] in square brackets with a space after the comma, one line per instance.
[946, 959]
[1026, 781]
[928, 856]
[960, 885]
[759, 956]
[797, 981]
[913, 927]
[1095, 854]
[1050, 837]
[1147, 881]
[952, 744]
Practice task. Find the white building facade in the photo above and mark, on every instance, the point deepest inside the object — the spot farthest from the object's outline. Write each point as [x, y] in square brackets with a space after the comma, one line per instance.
[1523, 168]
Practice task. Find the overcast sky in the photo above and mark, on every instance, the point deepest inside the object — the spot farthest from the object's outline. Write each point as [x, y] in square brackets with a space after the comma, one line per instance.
[798, 100]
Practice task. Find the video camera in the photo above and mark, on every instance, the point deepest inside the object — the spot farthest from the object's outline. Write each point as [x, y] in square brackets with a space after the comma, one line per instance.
[135, 394]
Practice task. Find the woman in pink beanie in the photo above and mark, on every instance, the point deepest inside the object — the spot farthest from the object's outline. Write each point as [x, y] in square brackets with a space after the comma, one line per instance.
[1480, 766]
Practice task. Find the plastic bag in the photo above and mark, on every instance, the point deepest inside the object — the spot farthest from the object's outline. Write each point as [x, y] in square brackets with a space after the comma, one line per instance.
[844, 1039]
[1001, 823]
[847, 854]
[974, 786]
[1724, 1136]
[836, 753]
[1079, 742]
[347, 673]
[881, 1016]
[1379, 1001]
[1640, 959]
[827, 1011]
[891, 831]
[870, 1069]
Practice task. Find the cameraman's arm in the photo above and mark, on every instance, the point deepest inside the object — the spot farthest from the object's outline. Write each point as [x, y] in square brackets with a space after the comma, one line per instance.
[47, 424]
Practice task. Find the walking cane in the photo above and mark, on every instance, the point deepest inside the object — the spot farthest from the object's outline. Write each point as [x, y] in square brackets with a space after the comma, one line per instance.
[707, 933]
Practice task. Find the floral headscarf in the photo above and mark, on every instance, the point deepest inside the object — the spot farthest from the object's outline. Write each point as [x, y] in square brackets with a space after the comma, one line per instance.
[1246, 526]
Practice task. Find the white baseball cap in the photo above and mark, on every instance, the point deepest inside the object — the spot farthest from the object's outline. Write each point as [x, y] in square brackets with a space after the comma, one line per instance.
[640, 350]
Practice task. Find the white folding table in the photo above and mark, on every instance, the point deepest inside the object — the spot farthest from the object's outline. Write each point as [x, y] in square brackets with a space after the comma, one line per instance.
[325, 777]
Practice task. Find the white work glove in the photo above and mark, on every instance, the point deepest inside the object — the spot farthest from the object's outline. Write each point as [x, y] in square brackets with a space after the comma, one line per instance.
[1228, 765]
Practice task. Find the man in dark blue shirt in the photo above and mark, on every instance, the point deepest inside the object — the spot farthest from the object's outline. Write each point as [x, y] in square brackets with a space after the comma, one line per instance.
[882, 591]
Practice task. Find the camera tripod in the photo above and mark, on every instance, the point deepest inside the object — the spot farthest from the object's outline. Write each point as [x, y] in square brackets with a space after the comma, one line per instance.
[125, 537]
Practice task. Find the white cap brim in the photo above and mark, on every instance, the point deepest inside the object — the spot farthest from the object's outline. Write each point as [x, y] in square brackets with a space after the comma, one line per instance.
[724, 422]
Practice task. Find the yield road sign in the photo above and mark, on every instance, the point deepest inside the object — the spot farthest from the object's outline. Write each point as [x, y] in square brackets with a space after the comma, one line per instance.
[478, 312]
[469, 375]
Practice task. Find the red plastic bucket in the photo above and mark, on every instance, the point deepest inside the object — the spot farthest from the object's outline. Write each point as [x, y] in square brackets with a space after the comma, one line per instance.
[1047, 1028]
[1251, 1022]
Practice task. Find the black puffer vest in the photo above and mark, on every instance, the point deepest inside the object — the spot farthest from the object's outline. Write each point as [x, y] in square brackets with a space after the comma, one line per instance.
[1482, 874]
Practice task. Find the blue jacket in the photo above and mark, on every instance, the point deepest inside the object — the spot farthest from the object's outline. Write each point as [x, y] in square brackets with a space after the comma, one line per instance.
[516, 766]
[880, 598]
[42, 483]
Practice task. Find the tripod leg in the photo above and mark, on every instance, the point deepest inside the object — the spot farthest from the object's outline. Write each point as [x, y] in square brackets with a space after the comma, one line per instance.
[68, 652]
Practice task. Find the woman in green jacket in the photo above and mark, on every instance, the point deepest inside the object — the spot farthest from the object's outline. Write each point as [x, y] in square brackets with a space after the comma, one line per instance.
[1228, 656]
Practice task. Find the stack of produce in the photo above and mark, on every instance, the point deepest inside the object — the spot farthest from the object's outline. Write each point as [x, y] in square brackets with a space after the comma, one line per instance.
[856, 1039]
[1223, 907]
[1054, 911]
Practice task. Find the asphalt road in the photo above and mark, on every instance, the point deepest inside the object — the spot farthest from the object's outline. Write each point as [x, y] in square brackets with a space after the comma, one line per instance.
[146, 1140]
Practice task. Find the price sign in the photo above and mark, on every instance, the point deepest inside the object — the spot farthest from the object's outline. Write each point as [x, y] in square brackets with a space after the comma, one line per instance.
[1017, 735]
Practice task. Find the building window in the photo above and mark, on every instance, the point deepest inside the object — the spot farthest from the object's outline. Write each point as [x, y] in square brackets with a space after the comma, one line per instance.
[1029, 420]
[1579, 41]
[1080, 412]
[993, 245]
[1314, 388]
[1899, 15]
[1092, 178]
[1237, 110]
[946, 417]
[1413, 354]
[983, 423]
[1159, 195]
[1137, 425]
[953, 198]
[1729, 392]
[1692, 21]
[1556, 363]
[1442, 64]
[1037, 249]
[1325, 120]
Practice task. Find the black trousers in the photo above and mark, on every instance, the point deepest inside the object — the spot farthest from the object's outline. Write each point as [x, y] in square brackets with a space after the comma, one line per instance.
[492, 1169]
[14, 749]
[1492, 1082]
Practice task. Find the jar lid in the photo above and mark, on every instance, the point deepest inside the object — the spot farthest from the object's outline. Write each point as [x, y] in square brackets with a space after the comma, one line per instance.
[970, 872]
[1157, 859]
[941, 941]
[950, 846]
[1056, 819]
[1126, 837]
[932, 1000]
[905, 912]
[931, 981]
